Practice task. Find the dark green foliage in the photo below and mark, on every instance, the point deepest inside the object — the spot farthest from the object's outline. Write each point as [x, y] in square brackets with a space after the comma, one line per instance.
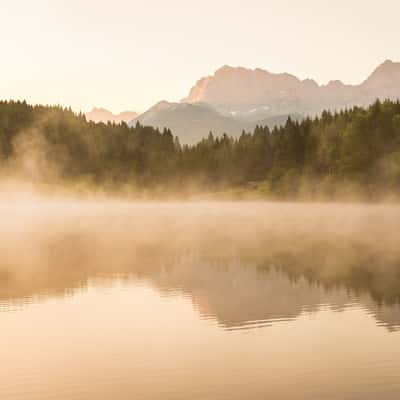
[356, 147]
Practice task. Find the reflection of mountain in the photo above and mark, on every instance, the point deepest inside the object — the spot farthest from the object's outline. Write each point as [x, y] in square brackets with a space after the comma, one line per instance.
[241, 265]
[241, 297]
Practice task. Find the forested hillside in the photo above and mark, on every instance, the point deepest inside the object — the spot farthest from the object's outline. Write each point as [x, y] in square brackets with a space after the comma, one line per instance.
[336, 154]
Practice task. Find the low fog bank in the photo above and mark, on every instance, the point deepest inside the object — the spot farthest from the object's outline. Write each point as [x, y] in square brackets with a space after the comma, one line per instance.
[53, 245]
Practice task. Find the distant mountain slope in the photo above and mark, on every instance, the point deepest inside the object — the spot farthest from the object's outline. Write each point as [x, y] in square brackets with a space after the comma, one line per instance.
[103, 115]
[192, 122]
[384, 81]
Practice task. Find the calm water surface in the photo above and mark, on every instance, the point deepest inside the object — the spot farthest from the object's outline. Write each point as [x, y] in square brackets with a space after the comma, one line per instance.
[199, 302]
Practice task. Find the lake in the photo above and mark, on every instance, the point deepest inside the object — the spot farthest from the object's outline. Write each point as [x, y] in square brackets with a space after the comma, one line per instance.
[248, 300]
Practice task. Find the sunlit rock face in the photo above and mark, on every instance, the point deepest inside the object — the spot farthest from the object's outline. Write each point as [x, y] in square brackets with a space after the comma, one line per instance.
[245, 90]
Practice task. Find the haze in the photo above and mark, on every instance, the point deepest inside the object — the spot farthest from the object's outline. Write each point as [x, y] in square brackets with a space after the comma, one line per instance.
[67, 241]
[129, 54]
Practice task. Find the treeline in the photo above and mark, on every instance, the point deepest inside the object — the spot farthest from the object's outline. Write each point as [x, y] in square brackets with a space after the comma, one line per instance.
[354, 151]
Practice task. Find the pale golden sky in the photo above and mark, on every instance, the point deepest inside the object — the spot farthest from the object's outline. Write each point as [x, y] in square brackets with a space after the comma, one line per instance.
[124, 54]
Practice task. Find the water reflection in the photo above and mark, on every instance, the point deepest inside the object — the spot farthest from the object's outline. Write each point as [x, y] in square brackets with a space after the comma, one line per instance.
[199, 301]
[242, 267]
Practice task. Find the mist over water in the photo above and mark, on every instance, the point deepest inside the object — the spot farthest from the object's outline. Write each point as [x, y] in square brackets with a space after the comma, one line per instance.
[178, 300]
[333, 243]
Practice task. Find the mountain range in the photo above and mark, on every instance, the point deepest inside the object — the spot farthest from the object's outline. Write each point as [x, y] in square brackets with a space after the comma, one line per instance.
[241, 90]
[236, 98]
[103, 115]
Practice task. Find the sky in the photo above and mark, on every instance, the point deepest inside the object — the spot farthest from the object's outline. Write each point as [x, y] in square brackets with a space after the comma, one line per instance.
[128, 55]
